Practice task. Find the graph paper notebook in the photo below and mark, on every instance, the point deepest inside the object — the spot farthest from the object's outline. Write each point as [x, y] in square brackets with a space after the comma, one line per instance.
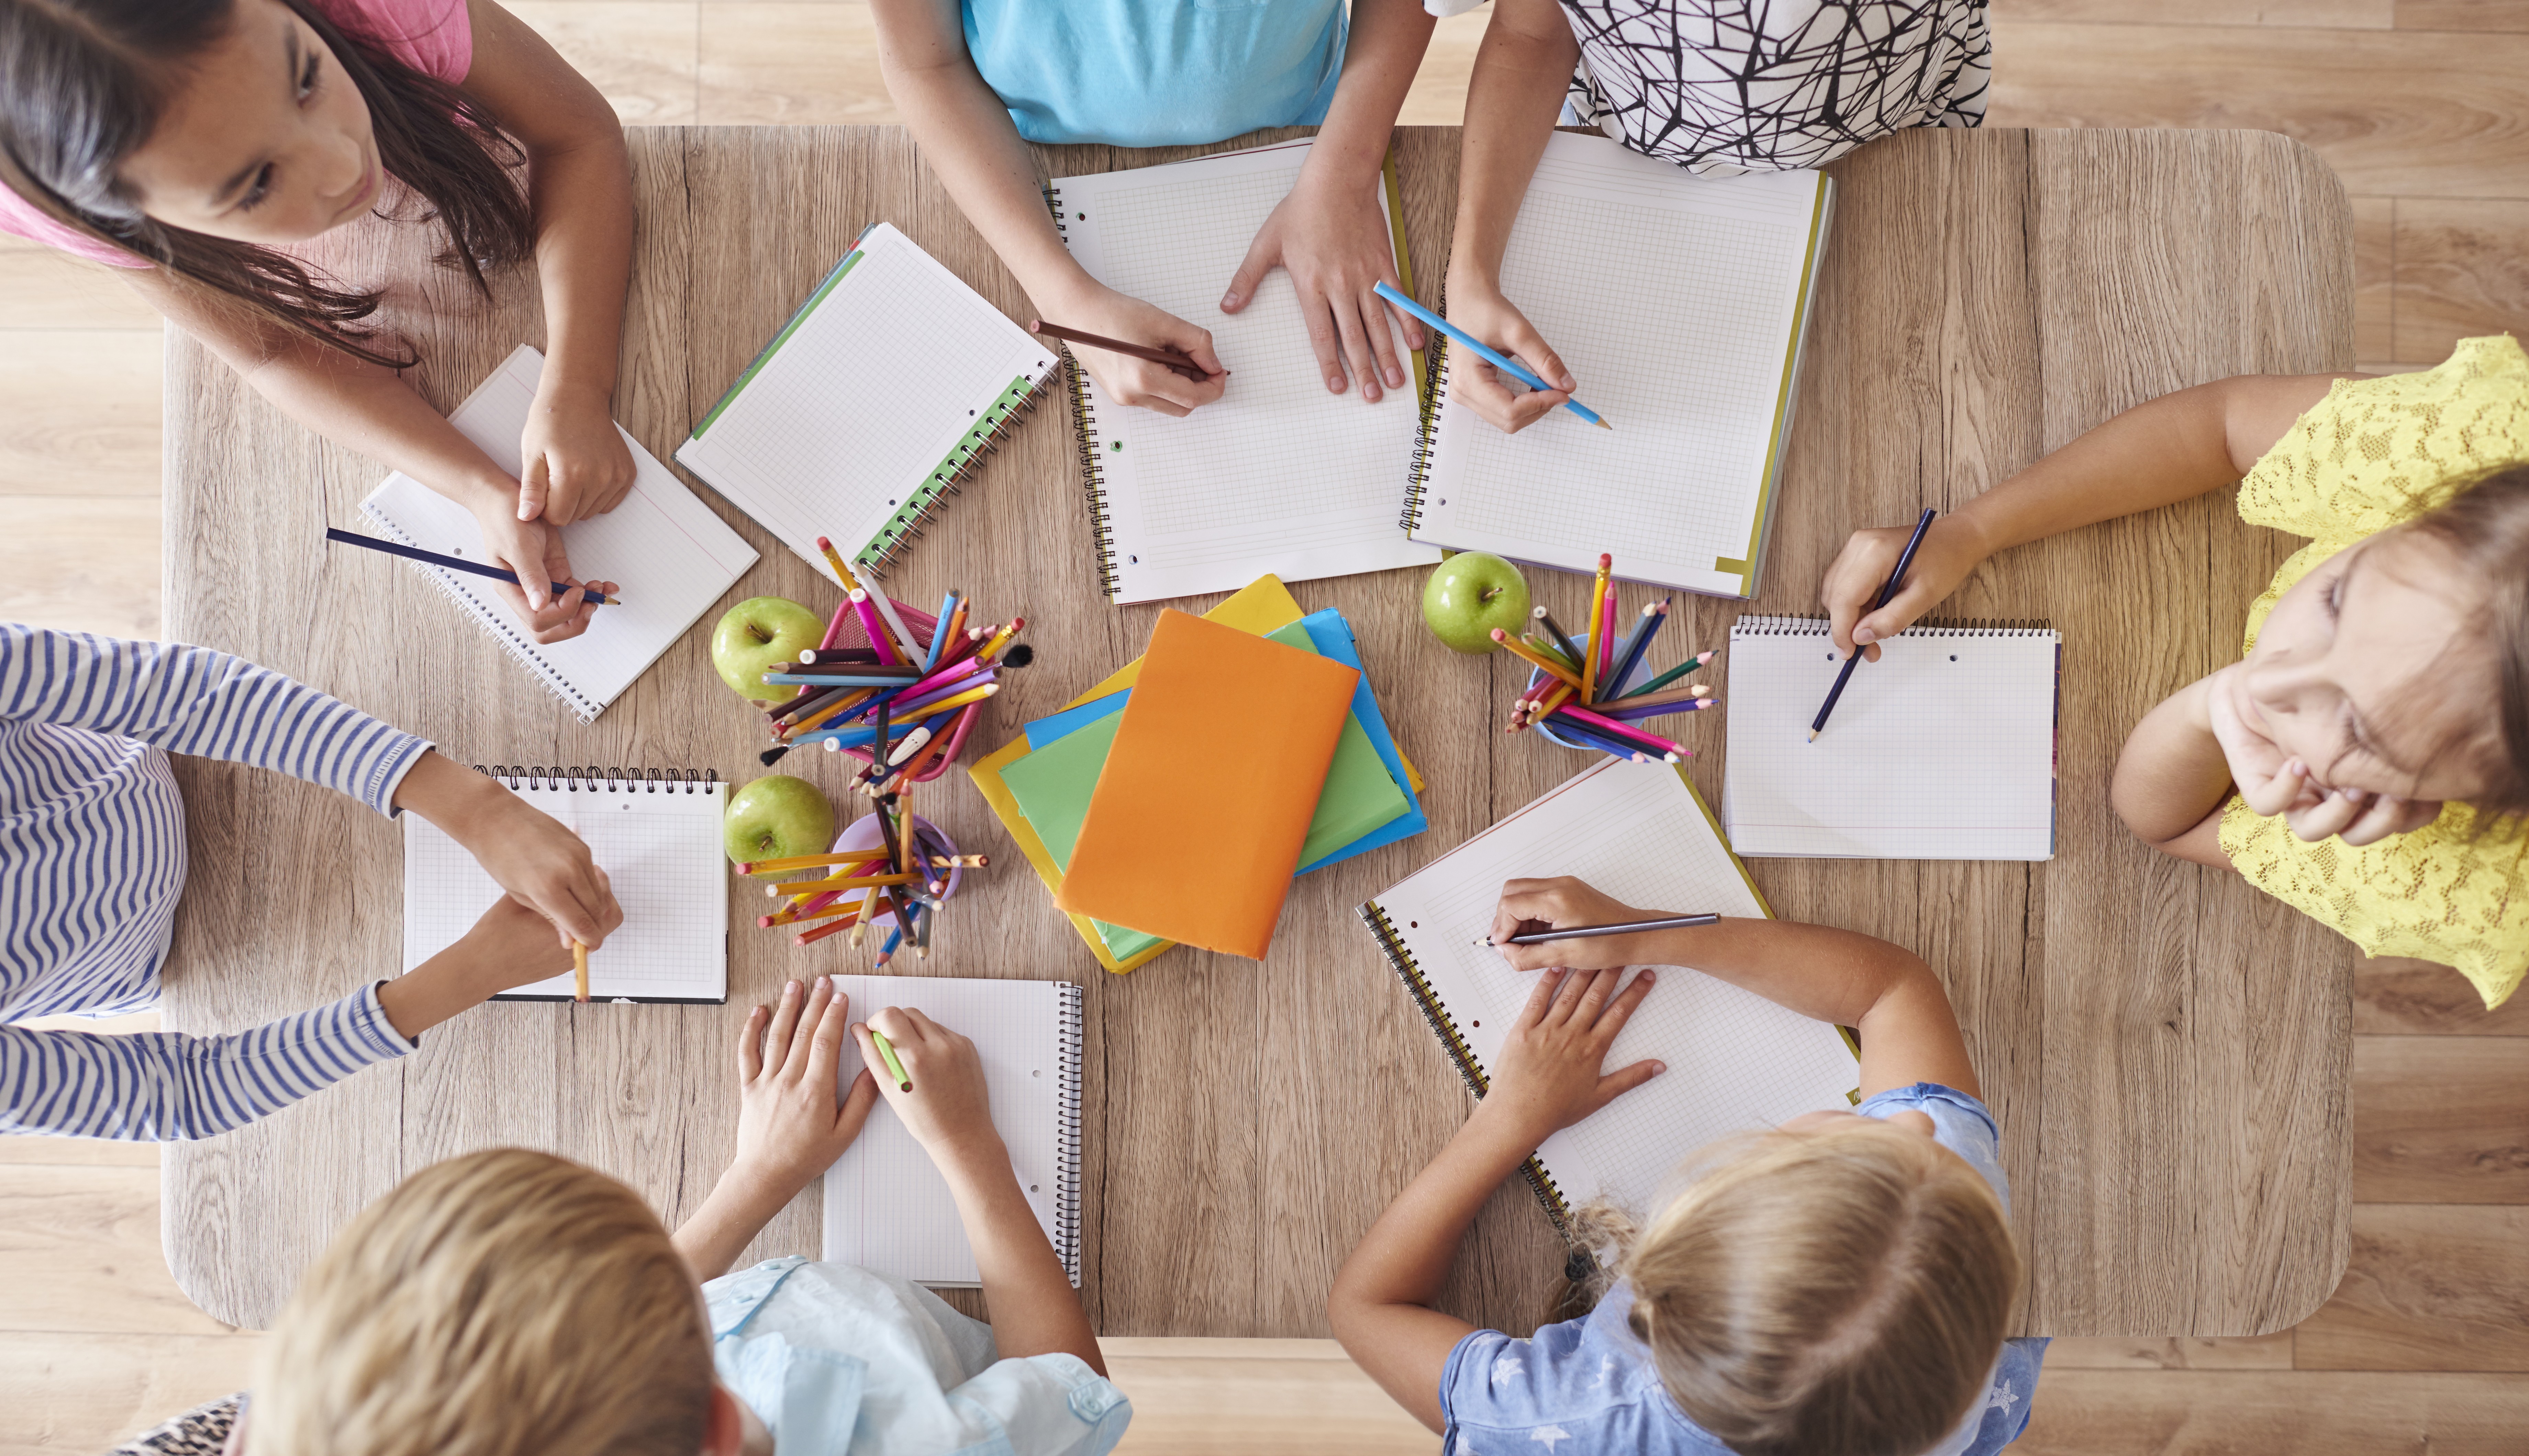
[1680, 304]
[872, 403]
[1278, 475]
[1942, 749]
[1735, 1060]
[656, 834]
[662, 546]
[887, 1207]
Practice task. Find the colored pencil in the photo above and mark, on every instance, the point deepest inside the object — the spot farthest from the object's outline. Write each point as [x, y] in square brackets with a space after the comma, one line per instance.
[1629, 660]
[1896, 578]
[1562, 638]
[893, 940]
[1662, 710]
[578, 971]
[1532, 657]
[938, 631]
[1699, 660]
[1503, 362]
[801, 914]
[1613, 729]
[945, 638]
[804, 862]
[1545, 648]
[1604, 645]
[825, 657]
[957, 695]
[850, 677]
[1588, 932]
[869, 912]
[458, 563]
[902, 640]
[835, 559]
[857, 881]
[1001, 639]
[1597, 606]
[835, 927]
[1631, 752]
[1176, 359]
[887, 653]
[1684, 694]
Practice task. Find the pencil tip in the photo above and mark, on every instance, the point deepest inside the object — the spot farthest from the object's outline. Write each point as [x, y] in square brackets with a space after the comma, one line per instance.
[1602, 423]
[1814, 733]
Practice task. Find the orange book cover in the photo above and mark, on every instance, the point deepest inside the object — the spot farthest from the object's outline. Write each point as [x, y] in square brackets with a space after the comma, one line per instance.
[1197, 821]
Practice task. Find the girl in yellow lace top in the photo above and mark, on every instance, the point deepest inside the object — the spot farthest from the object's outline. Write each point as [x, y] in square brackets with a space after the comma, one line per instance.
[2367, 760]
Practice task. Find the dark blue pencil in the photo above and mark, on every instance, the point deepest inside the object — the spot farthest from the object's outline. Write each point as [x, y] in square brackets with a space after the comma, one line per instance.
[1896, 580]
[1629, 652]
[455, 563]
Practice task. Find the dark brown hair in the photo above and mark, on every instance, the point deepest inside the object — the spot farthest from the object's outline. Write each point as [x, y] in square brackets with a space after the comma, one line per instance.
[2485, 527]
[84, 83]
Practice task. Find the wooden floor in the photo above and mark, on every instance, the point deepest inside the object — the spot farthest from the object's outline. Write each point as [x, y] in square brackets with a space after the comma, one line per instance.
[2425, 1349]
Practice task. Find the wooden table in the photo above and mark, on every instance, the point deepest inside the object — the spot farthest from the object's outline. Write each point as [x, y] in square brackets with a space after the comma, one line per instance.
[2167, 1050]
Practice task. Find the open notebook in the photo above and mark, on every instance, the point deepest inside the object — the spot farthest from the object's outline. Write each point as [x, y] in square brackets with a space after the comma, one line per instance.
[671, 556]
[1680, 304]
[1942, 749]
[870, 406]
[656, 834]
[1279, 475]
[1736, 1061]
[887, 1207]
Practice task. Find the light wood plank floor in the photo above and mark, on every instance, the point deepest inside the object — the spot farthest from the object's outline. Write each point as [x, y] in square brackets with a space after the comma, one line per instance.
[2415, 102]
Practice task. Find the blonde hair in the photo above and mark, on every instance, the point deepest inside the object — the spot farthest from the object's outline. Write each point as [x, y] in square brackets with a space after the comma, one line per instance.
[501, 1304]
[1836, 1292]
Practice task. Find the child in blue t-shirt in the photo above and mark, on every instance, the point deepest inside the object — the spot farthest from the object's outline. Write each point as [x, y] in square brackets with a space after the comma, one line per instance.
[1836, 1286]
[978, 79]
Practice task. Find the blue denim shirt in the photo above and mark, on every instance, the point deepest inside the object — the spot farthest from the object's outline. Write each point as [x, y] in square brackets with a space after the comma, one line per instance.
[835, 1359]
[1592, 1381]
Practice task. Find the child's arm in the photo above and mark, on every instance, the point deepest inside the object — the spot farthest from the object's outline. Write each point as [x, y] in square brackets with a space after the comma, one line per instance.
[1546, 1079]
[967, 137]
[1035, 1309]
[1909, 1032]
[791, 1125]
[1332, 231]
[2171, 448]
[1522, 71]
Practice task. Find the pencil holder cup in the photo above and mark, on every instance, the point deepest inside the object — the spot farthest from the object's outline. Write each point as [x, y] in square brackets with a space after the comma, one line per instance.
[863, 833]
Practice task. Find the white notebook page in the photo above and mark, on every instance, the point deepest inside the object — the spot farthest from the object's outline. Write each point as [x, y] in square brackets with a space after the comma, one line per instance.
[1942, 749]
[1735, 1060]
[669, 557]
[1279, 475]
[660, 849]
[1675, 302]
[887, 1207]
[852, 413]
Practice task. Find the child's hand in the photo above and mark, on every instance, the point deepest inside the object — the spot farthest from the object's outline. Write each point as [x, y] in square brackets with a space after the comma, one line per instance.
[949, 1111]
[1546, 1077]
[1131, 381]
[1531, 906]
[533, 549]
[2272, 782]
[1951, 549]
[511, 946]
[1337, 249]
[1480, 309]
[577, 464]
[791, 1125]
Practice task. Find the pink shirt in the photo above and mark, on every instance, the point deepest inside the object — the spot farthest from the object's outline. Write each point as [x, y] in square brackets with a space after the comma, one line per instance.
[435, 37]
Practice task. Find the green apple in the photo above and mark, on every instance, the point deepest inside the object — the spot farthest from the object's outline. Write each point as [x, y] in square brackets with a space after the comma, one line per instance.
[757, 633]
[1471, 593]
[776, 817]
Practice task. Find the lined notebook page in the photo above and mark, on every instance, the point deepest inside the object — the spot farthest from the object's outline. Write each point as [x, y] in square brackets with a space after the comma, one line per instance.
[1942, 749]
[887, 1207]
[1735, 1060]
[1279, 475]
[862, 397]
[669, 555]
[1675, 302]
[660, 849]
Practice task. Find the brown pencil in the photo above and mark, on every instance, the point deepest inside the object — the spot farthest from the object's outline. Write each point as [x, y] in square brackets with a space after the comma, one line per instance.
[1183, 363]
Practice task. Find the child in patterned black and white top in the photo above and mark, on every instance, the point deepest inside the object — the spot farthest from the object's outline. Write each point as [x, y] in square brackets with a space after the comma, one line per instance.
[1718, 86]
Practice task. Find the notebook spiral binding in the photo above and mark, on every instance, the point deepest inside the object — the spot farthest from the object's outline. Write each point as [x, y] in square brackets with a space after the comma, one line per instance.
[1067, 1170]
[906, 525]
[495, 618]
[1093, 476]
[594, 779]
[1435, 386]
[1952, 626]
[1461, 1055]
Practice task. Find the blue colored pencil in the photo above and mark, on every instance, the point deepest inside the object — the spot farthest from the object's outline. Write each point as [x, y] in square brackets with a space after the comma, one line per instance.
[895, 938]
[454, 562]
[1629, 652]
[939, 630]
[1500, 361]
[840, 678]
[1566, 728]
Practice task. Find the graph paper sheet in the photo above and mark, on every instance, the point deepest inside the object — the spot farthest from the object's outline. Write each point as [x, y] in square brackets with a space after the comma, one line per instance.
[887, 1207]
[1278, 475]
[1942, 749]
[1678, 304]
[660, 846]
[671, 556]
[1736, 1063]
[845, 418]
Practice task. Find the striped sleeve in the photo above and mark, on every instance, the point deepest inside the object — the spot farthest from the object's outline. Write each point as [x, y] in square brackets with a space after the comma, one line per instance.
[198, 701]
[163, 1085]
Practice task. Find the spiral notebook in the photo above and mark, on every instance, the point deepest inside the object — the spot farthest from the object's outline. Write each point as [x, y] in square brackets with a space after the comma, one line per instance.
[887, 1207]
[657, 837]
[1735, 1060]
[670, 554]
[1681, 304]
[1278, 475]
[869, 407]
[1942, 749]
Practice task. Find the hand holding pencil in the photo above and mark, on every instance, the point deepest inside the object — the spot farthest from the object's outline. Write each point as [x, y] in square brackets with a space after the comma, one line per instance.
[1529, 907]
[1140, 381]
[948, 1109]
[1478, 308]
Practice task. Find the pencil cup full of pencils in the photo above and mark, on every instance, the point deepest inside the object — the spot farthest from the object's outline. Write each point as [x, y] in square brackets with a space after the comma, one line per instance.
[889, 873]
[1594, 691]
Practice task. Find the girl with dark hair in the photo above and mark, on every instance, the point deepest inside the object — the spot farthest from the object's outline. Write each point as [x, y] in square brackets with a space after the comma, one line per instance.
[193, 142]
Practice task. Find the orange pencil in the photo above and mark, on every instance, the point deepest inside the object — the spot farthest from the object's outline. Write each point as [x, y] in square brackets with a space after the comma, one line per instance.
[1534, 658]
[810, 937]
[805, 862]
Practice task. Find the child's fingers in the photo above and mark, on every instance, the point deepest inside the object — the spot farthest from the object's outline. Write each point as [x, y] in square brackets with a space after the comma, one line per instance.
[1622, 1080]
[853, 1114]
[1262, 256]
[2331, 814]
[1358, 356]
[535, 486]
[825, 1048]
[1911, 600]
[800, 1046]
[1541, 998]
[872, 1065]
[1567, 996]
[750, 1046]
[785, 1017]
[1621, 1007]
